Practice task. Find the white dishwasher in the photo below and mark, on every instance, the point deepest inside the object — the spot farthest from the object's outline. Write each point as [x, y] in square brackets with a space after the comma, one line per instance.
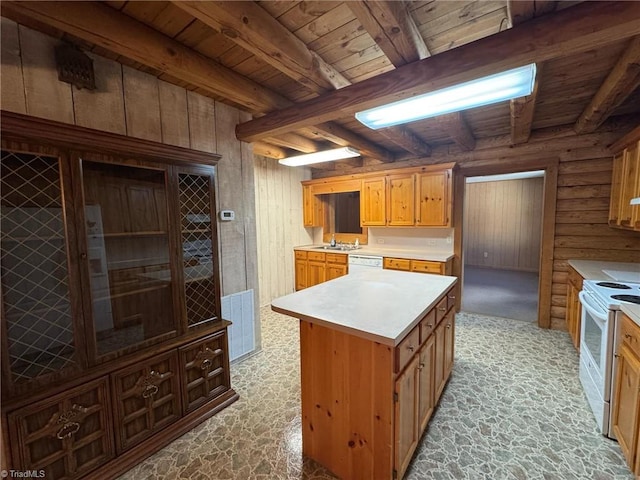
[358, 263]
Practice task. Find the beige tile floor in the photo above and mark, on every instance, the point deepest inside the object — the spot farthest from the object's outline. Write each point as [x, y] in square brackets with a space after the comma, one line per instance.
[513, 409]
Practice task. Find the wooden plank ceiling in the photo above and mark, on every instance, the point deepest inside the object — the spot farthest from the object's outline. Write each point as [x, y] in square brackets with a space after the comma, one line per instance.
[303, 68]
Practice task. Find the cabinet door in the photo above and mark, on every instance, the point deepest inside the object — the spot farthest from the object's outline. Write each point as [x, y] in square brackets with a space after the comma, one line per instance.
[205, 370]
[67, 436]
[449, 343]
[129, 273]
[406, 416]
[433, 199]
[199, 266]
[316, 273]
[400, 198]
[439, 379]
[312, 208]
[146, 398]
[335, 270]
[373, 203]
[627, 403]
[40, 285]
[629, 184]
[301, 274]
[426, 385]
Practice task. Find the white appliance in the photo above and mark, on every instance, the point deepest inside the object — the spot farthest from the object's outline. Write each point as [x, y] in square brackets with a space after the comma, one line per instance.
[599, 342]
[359, 263]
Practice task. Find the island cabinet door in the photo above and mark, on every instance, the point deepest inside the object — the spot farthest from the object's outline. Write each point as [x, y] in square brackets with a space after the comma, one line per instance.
[426, 385]
[439, 363]
[146, 397]
[449, 342]
[626, 407]
[407, 396]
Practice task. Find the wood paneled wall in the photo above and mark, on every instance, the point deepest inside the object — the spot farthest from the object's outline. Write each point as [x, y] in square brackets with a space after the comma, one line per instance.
[133, 103]
[279, 224]
[503, 219]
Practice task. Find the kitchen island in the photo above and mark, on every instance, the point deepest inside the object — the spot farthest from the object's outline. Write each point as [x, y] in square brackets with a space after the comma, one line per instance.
[376, 350]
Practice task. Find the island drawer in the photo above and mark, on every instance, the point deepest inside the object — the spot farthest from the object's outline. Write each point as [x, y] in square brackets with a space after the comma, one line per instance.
[301, 255]
[317, 256]
[425, 266]
[441, 309]
[407, 349]
[451, 298]
[427, 324]
[397, 263]
[630, 334]
[337, 258]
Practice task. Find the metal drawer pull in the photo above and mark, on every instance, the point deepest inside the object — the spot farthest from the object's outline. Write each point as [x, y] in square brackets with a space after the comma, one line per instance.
[149, 391]
[442, 309]
[411, 348]
[628, 335]
[206, 363]
[449, 326]
[421, 366]
[67, 430]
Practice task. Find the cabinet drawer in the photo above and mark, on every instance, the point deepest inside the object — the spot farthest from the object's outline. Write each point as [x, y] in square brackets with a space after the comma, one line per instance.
[67, 435]
[146, 398]
[407, 349]
[630, 334]
[427, 324]
[426, 266]
[317, 256]
[441, 309]
[337, 258]
[204, 370]
[397, 263]
[451, 298]
[300, 255]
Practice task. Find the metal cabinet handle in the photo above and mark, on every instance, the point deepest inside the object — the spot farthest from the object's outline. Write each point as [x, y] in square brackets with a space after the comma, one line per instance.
[628, 335]
[449, 325]
[442, 309]
[430, 325]
[451, 297]
[421, 366]
[68, 430]
[149, 391]
[206, 363]
[411, 348]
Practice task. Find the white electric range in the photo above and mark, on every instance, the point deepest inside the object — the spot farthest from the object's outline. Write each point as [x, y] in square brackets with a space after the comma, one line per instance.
[599, 342]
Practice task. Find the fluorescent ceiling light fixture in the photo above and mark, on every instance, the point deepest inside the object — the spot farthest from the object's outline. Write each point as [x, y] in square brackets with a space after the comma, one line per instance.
[514, 83]
[319, 157]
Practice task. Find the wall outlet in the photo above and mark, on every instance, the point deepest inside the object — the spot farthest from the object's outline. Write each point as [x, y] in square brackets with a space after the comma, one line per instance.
[449, 240]
[486, 254]
[431, 242]
[380, 240]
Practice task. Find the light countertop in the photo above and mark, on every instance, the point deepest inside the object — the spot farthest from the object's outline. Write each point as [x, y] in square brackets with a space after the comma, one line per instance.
[433, 256]
[632, 311]
[379, 305]
[601, 270]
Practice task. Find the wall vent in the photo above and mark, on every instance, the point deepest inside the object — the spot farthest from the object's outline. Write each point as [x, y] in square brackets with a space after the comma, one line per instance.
[75, 67]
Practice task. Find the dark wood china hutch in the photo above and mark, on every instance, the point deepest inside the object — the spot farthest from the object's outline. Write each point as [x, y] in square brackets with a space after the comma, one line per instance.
[113, 342]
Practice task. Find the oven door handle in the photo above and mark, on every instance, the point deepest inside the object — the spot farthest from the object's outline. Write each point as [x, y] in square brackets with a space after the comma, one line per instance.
[597, 312]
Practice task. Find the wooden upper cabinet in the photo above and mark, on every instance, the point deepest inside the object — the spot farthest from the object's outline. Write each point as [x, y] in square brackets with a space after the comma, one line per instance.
[373, 202]
[616, 189]
[625, 182]
[400, 200]
[312, 208]
[433, 199]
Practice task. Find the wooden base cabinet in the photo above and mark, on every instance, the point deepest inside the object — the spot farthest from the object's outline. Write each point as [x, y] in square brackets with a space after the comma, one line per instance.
[626, 405]
[313, 268]
[574, 308]
[419, 266]
[113, 341]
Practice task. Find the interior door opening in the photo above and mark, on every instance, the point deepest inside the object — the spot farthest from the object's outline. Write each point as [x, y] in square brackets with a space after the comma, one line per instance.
[502, 232]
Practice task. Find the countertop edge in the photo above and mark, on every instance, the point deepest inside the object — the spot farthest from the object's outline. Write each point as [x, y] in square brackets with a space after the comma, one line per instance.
[382, 252]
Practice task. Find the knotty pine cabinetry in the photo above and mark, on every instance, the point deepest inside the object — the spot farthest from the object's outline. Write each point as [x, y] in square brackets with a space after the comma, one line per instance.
[625, 183]
[312, 268]
[626, 405]
[414, 265]
[114, 343]
[574, 308]
[312, 208]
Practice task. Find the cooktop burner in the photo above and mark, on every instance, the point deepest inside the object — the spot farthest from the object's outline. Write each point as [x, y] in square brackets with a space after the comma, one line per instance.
[621, 286]
[627, 298]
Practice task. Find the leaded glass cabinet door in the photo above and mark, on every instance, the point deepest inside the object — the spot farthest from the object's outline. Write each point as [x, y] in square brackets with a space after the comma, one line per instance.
[39, 305]
[198, 236]
[128, 260]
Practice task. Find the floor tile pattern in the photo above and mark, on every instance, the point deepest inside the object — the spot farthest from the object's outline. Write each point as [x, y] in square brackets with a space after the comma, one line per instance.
[513, 409]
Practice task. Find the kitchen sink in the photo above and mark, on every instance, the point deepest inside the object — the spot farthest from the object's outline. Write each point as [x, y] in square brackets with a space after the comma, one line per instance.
[337, 247]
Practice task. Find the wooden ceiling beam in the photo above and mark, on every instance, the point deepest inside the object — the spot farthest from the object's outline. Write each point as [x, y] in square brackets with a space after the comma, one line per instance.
[391, 26]
[108, 28]
[455, 125]
[523, 10]
[623, 79]
[294, 142]
[342, 136]
[406, 139]
[254, 29]
[267, 150]
[582, 27]
[522, 110]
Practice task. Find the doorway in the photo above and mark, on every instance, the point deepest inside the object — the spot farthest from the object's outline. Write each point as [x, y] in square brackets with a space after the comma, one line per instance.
[521, 279]
[502, 235]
